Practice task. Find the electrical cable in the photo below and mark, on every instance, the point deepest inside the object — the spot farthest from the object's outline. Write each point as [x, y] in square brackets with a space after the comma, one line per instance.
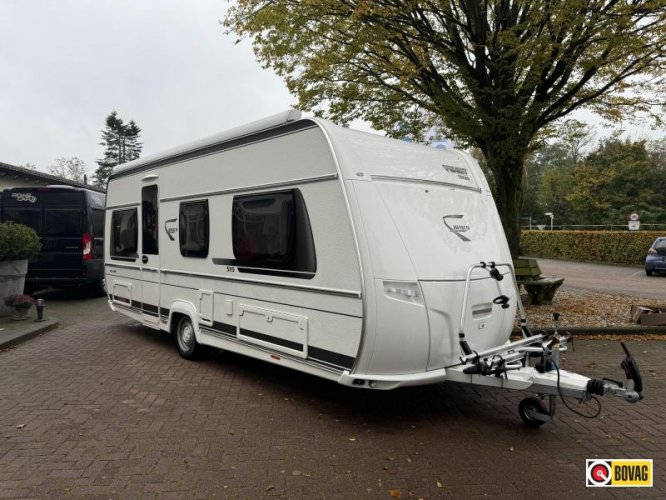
[559, 391]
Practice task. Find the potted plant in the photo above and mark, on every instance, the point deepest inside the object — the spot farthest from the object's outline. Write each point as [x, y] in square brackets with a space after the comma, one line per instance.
[19, 304]
[17, 244]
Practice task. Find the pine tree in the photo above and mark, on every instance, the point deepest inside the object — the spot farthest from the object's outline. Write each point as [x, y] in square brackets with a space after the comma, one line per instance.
[121, 144]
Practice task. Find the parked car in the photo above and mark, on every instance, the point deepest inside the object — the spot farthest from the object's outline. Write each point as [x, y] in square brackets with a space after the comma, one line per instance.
[655, 261]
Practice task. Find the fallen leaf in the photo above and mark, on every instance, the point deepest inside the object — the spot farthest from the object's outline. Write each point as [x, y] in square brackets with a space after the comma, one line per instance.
[439, 484]
[395, 493]
[270, 487]
[20, 426]
[352, 439]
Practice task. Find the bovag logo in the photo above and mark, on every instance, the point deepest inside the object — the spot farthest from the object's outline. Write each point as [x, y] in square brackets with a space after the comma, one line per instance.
[608, 473]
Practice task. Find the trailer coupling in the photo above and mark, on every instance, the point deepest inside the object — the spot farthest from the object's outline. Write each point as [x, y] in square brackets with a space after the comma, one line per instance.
[533, 363]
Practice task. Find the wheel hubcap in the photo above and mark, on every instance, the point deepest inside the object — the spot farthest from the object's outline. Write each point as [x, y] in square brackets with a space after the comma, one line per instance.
[186, 336]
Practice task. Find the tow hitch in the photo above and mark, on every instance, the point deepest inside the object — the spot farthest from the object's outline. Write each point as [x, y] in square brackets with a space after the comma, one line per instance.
[534, 363]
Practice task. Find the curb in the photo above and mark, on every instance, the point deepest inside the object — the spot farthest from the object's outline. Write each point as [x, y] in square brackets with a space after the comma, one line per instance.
[611, 330]
[14, 336]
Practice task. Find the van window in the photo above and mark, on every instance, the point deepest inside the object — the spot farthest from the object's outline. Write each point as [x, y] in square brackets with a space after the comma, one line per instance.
[31, 217]
[97, 222]
[124, 233]
[272, 234]
[194, 229]
[62, 223]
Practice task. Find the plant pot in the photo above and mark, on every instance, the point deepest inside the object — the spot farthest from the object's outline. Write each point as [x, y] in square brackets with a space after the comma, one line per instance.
[12, 281]
[19, 313]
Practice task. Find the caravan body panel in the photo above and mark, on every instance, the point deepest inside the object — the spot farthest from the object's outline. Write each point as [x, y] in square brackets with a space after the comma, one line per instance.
[324, 249]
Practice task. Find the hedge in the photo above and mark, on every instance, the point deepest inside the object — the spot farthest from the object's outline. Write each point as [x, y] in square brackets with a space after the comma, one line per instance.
[618, 247]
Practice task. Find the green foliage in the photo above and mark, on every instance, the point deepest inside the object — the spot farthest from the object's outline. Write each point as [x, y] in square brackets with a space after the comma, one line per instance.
[18, 242]
[603, 187]
[121, 144]
[618, 247]
[494, 74]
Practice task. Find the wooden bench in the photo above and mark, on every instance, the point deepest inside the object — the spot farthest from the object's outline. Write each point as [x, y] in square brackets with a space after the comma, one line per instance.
[540, 290]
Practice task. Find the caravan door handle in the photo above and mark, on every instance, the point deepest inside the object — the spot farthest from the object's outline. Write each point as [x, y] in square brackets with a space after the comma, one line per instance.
[144, 259]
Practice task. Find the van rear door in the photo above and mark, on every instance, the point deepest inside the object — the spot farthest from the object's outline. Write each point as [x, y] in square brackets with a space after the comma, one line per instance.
[62, 247]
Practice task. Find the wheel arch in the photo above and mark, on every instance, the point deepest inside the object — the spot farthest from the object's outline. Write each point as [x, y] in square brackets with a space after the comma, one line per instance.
[180, 308]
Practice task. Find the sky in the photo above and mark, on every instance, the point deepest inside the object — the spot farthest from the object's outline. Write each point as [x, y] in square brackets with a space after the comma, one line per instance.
[167, 65]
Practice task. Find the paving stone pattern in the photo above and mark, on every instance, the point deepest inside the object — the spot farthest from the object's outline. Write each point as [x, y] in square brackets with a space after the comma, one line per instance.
[103, 408]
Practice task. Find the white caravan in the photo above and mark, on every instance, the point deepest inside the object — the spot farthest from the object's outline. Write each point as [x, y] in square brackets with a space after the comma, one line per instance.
[365, 260]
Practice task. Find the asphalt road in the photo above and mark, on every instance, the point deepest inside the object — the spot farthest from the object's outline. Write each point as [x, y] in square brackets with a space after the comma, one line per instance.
[606, 278]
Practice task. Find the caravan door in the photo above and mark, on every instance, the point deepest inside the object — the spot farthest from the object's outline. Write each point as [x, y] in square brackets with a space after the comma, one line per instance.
[150, 254]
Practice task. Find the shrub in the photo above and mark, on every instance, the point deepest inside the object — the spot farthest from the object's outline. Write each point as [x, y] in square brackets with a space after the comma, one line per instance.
[17, 242]
[617, 247]
[19, 301]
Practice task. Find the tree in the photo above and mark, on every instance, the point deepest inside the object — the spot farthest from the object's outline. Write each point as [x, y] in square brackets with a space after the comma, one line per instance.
[618, 178]
[73, 168]
[495, 73]
[29, 166]
[121, 144]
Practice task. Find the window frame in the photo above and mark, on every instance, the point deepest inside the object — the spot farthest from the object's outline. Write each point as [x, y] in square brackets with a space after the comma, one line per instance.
[203, 253]
[128, 254]
[301, 261]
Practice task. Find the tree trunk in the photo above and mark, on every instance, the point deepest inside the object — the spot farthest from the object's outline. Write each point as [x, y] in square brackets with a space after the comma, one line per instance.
[506, 163]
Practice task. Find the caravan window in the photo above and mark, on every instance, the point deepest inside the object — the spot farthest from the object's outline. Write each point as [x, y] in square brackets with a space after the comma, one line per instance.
[272, 235]
[124, 233]
[194, 229]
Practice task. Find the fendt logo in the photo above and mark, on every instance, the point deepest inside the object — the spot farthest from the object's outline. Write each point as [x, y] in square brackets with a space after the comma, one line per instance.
[457, 227]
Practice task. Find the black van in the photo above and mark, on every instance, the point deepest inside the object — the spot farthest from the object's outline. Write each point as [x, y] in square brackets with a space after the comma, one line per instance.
[70, 224]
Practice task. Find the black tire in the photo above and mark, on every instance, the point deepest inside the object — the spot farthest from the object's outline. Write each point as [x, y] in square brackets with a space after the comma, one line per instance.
[649, 272]
[527, 408]
[187, 344]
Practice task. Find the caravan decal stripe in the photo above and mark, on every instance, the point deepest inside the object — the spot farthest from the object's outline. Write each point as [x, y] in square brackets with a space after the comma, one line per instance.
[316, 354]
[273, 340]
[224, 328]
[330, 357]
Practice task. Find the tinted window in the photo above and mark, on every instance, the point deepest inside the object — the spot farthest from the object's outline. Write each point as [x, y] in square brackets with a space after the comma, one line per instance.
[62, 223]
[660, 244]
[97, 222]
[149, 219]
[124, 233]
[31, 217]
[194, 229]
[271, 234]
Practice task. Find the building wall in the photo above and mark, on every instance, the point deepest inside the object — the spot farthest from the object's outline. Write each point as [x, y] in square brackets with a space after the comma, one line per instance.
[9, 181]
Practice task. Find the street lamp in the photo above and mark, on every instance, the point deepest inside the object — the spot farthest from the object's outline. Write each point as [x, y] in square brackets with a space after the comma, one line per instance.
[550, 214]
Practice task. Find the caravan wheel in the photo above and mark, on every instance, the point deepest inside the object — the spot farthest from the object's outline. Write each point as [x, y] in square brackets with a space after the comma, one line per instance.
[530, 409]
[185, 339]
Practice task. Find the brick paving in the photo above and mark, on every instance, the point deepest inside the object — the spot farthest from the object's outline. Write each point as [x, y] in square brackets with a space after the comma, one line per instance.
[103, 408]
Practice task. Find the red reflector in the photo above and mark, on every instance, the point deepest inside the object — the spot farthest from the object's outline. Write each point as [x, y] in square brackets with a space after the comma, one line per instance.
[87, 246]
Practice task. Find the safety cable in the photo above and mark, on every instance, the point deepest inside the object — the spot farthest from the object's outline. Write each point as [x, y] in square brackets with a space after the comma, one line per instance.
[559, 390]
